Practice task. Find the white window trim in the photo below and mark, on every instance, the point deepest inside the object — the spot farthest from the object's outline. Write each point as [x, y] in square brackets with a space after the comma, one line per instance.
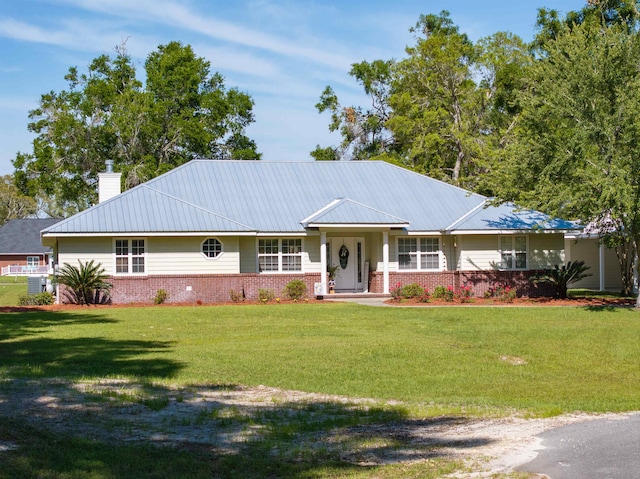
[32, 257]
[419, 254]
[280, 255]
[513, 252]
[211, 257]
[130, 257]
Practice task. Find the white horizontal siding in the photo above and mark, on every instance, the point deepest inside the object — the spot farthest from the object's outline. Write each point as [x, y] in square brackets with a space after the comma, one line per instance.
[546, 251]
[587, 250]
[478, 252]
[311, 254]
[100, 250]
[248, 254]
[183, 255]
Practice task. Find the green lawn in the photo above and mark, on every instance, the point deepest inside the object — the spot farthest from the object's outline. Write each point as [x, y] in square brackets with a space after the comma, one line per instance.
[11, 288]
[546, 360]
[453, 361]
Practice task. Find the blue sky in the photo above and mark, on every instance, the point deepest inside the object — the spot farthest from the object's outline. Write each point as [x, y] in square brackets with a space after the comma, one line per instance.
[281, 52]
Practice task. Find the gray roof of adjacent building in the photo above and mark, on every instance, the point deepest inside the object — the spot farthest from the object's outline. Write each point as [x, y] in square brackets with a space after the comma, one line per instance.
[22, 236]
[260, 196]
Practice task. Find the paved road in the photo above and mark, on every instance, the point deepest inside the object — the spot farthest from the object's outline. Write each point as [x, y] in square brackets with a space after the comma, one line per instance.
[598, 449]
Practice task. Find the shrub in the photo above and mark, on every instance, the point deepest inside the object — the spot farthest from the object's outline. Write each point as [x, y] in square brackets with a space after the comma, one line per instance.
[413, 290]
[85, 283]
[296, 289]
[38, 299]
[396, 293]
[442, 292]
[236, 297]
[502, 292]
[161, 296]
[463, 294]
[266, 295]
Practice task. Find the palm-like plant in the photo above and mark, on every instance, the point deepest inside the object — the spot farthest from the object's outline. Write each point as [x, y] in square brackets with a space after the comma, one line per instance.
[563, 276]
[85, 283]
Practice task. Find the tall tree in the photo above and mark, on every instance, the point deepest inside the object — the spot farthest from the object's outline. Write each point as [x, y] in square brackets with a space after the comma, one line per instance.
[13, 204]
[576, 150]
[440, 111]
[183, 112]
[363, 130]
[437, 108]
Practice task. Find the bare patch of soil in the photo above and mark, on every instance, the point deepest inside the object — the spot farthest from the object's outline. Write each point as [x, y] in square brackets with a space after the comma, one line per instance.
[226, 419]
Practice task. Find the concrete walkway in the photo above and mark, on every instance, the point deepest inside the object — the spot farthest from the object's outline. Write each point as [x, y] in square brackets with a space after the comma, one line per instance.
[363, 300]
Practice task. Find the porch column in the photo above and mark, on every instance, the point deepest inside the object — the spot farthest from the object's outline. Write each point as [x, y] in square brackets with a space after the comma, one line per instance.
[385, 262]
[601, 265]
[323, 261]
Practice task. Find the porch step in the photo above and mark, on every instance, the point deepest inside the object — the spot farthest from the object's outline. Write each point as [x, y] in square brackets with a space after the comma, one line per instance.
[353, 296]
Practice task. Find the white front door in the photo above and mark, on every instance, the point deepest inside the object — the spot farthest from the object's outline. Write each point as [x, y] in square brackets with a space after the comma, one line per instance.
[348, 254]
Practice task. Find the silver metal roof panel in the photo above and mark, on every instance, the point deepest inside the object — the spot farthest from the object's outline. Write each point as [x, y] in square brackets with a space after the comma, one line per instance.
[260, 196]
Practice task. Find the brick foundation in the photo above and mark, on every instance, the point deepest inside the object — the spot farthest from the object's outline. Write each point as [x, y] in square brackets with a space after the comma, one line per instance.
[204, 288]
[480, 281]
[219, 288]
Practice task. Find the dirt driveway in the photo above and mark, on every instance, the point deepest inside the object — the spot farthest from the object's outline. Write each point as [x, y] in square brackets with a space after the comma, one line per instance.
[217, 419]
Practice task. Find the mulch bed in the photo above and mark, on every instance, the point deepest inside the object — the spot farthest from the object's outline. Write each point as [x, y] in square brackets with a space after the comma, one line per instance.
[590, 301]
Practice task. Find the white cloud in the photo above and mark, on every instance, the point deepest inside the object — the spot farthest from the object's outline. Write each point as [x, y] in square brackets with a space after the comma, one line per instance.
[177, 15]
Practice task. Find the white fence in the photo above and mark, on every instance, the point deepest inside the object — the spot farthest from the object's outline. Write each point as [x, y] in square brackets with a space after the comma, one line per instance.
[23, 270]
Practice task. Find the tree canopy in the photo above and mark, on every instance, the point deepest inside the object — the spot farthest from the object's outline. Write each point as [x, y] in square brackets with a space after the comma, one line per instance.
[575, 151]
[182, 112]
[552, 125]
[440, 111]
[13, 204]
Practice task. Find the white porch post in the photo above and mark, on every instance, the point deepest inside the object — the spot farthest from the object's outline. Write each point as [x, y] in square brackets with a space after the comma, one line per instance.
[601, 265]
[323, 261]
[385, 262]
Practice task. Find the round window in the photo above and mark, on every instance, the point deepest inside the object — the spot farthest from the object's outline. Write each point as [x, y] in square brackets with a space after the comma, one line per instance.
[211, 248]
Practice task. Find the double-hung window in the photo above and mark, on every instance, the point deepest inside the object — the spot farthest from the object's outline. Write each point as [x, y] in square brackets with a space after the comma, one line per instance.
[513, 252]
[419, 253]
[130, 256]
[280, 255]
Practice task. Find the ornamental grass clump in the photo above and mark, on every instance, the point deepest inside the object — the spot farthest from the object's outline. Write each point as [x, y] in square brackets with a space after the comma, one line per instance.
[560, 277]
[85, 283]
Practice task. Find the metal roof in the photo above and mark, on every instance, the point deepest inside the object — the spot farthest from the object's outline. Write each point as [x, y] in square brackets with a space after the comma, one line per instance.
[22, 236]
[509, 217]
[347, 212]
[260, 196]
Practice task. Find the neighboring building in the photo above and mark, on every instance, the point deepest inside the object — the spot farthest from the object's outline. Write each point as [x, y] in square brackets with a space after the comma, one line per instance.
[21, 249]
[209, 227]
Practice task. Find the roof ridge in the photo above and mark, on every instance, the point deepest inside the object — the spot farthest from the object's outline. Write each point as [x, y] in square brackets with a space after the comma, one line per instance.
[467, 215]
[374, 209]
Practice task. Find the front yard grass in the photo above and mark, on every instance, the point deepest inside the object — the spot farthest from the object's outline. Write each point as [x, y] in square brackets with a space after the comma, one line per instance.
[458, 362]
[11, 288]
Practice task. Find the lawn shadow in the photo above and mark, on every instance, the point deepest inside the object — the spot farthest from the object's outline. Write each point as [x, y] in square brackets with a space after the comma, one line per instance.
[599, 308]
[26, 352]
[238, 432]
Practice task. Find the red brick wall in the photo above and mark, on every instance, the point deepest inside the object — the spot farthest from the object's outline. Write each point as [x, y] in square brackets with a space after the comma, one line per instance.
[19, 259]
[204, 288]
[480, 281]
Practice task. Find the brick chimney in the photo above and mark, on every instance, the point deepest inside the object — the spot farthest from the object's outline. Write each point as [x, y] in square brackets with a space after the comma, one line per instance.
[108, 183]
